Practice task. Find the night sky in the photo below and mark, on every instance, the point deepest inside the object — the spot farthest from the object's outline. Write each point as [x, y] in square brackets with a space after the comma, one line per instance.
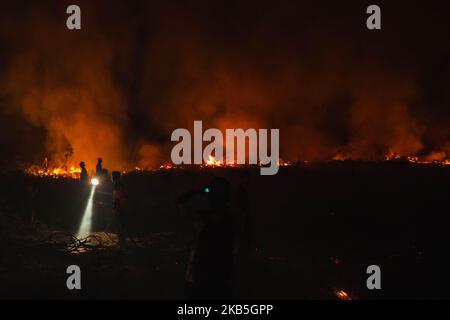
[140, 69]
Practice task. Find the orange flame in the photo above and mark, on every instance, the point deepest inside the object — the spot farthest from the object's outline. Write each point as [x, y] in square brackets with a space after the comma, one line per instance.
[212, 162]
[73, 172]
[54, 172]
[392, 156]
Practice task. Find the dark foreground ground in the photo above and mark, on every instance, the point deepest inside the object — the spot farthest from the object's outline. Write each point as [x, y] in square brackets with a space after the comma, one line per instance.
[316, 229]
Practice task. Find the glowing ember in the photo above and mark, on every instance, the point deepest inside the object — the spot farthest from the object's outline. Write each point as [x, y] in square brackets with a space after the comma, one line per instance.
[283, 163]
[339, 157]
[341, 294]
[166, 166]
[212, 162]
[336, 260]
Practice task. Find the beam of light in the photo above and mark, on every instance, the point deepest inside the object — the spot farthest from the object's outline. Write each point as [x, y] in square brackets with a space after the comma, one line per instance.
[95, 182]
[85, 226]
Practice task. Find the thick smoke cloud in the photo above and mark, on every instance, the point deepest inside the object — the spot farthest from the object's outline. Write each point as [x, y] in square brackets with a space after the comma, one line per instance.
[138, 70]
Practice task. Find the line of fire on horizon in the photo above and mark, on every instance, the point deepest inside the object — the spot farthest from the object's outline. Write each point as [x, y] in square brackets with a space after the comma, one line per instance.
[73, 172]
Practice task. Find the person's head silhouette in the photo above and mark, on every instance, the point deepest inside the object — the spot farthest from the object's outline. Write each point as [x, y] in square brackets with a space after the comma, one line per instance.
[115, 177]
[218, 191]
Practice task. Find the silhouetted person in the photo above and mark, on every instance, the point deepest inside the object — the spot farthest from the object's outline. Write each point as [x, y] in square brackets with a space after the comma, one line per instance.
[245, 220]
[245, 229]
[99, 167]
[119, 205]
[84, 177]
[210, 268]
[31, 204]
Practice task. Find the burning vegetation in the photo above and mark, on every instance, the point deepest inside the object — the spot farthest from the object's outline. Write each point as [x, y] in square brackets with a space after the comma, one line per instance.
[73, 172]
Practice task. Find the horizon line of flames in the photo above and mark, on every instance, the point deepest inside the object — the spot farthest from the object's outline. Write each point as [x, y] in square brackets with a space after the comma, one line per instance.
[73, 172]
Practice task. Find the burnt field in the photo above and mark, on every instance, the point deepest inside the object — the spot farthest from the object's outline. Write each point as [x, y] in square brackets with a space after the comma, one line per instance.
[317, 228]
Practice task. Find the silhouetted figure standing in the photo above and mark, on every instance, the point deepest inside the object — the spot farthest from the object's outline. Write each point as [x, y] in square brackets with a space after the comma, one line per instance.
[31, 204]
[245, 219]
[84, 177]
[84, 188]
[99, 167]
[119, 205]
[210, 268]
[245, 230]
[101, 173]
